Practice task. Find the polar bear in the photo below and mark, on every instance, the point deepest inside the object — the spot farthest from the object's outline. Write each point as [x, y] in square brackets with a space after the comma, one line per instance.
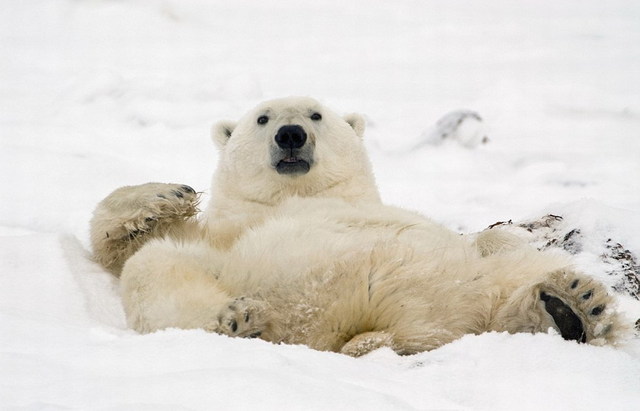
[281, 149]
[296, 247]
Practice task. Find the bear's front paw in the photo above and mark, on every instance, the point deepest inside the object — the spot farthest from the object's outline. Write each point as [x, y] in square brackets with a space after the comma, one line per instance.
[160, 205]
[243, 317]
[580, 307]
[132, 215]
[169, 200]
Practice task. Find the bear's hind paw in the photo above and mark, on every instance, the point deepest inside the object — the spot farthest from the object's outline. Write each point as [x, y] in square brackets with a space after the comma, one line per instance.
[243, 317]
[580, 308]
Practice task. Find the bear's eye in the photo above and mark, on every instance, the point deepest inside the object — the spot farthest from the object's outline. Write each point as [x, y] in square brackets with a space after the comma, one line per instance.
[262, 120]
[316, 117]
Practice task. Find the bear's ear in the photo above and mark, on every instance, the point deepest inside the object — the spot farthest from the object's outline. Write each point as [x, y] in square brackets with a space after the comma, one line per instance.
[221, 131]
[357, 123]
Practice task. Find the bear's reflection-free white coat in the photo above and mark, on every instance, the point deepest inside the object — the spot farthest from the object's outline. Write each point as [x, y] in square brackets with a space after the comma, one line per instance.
[312, 257]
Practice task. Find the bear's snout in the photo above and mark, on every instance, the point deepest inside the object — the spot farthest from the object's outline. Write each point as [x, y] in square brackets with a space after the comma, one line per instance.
[291, 136]
[291, 154]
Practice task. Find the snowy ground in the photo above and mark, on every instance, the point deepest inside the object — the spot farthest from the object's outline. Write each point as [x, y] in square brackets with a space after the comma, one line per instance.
[99, 94]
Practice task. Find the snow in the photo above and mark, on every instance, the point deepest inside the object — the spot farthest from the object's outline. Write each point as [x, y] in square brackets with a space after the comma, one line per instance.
[99, 94]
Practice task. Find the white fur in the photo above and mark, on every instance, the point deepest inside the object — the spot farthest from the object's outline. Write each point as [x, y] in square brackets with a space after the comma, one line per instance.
[315, 259]
[245, 187]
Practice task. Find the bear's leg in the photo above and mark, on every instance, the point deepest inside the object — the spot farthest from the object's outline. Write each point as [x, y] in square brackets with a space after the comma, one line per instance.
[366, 342]
[495, 241]
[130, 216]
[173, 284]
[415, 338]
[577, 306]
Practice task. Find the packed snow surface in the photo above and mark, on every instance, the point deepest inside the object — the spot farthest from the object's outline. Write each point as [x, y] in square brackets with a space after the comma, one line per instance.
[99, 94]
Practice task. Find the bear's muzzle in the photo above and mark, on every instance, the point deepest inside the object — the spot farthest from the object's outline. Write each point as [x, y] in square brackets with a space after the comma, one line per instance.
[292, 155]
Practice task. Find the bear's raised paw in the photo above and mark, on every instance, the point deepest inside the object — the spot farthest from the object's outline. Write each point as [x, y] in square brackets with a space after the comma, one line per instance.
[578, 306]
[160, 202]
[132, 215]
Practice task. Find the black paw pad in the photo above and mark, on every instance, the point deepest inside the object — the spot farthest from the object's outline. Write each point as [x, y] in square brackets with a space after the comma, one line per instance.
[598, 310]
[567, 321]
[587, 295]
[234, 325]
[574, 284]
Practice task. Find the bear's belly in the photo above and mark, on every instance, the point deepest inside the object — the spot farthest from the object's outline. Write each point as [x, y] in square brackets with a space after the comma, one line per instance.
[286, 248]
[280, 253]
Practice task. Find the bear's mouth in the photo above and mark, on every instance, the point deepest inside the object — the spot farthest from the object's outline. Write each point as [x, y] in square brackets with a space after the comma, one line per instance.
[292, 162]
[292, 165]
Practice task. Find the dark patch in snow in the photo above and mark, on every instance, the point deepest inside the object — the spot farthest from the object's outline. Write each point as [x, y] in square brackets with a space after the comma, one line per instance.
[571, 242]
[547, 221]
[625, 267]
[449, 123]
[463, 126]
[575, 183]
[553, 236]
[499, 223]
[548, 232]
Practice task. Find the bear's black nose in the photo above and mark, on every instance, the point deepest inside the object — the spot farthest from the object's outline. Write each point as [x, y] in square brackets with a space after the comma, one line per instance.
[291, 137]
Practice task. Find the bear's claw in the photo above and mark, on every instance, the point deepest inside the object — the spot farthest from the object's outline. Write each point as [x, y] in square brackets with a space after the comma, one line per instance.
[188, 189]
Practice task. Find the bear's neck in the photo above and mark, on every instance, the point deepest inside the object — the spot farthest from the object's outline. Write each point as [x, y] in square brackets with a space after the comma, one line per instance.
[231, 212]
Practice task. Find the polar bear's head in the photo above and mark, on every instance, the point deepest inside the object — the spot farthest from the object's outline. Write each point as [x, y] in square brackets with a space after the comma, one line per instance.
[292, 146]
